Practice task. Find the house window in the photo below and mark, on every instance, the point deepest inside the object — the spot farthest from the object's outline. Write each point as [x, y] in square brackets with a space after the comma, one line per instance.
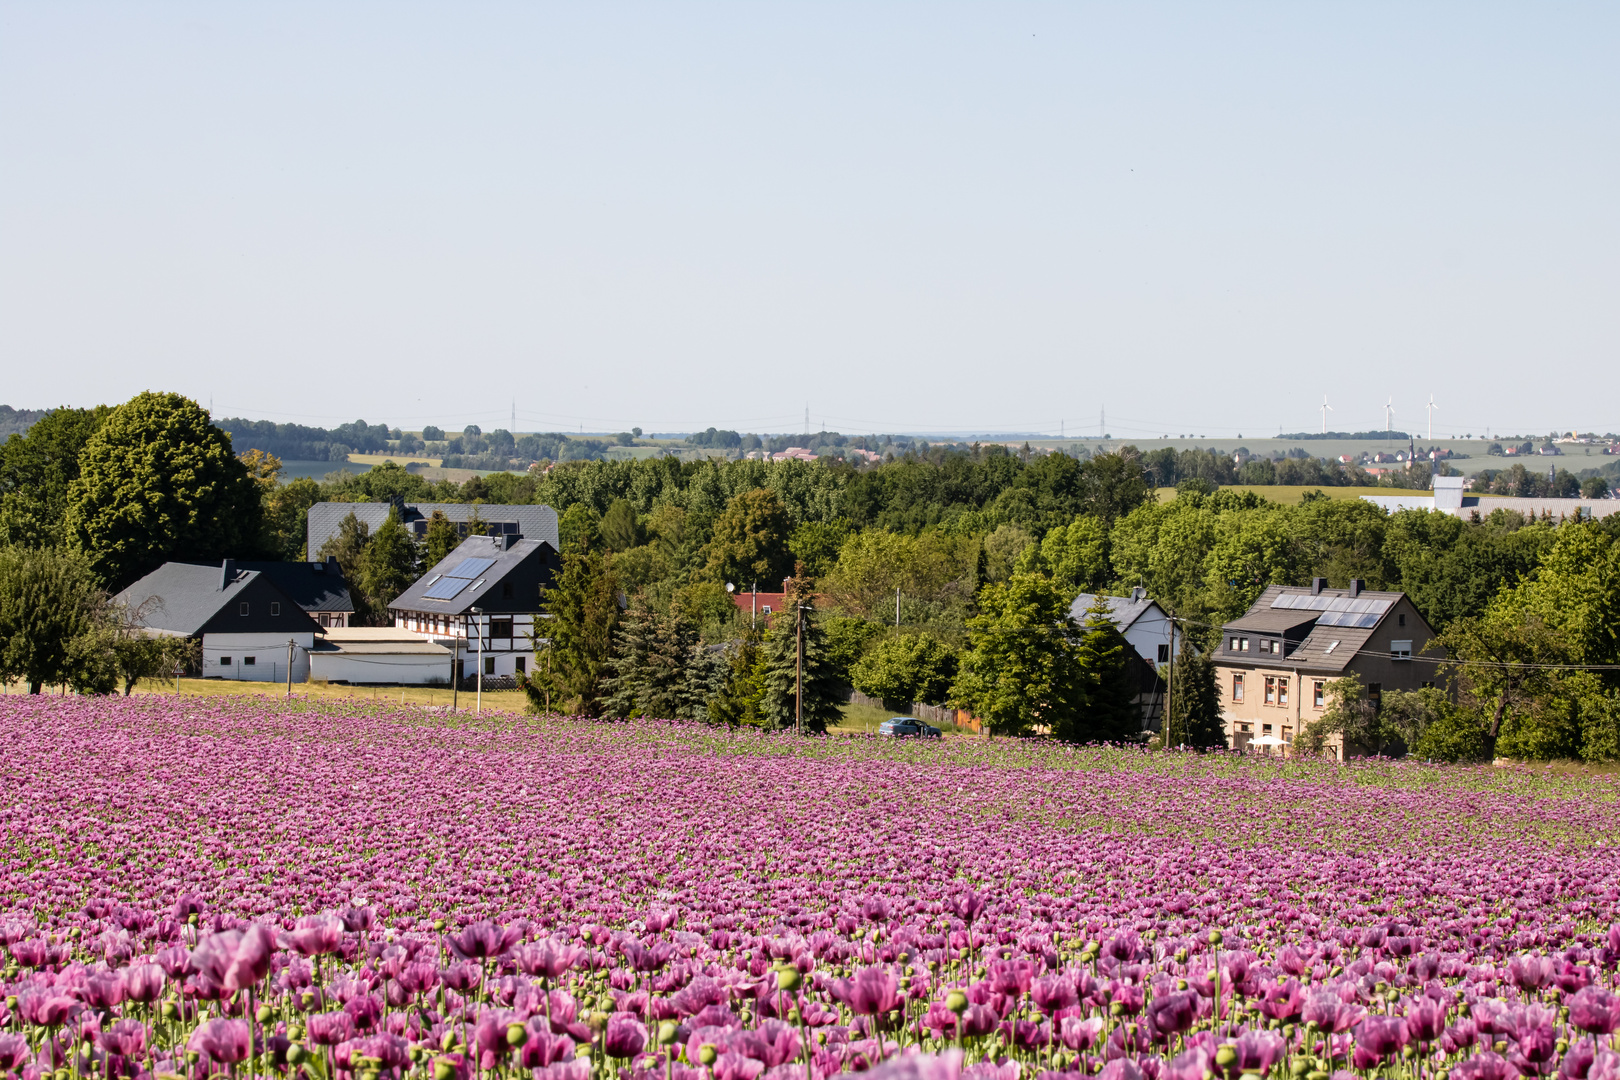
[1282, 691]
[1265, 729]
[522, 664]
[1164, 654]
[506, 588]
[500, 628]
[1401, 619]
[250, 660]
[241, 609]
[1318, 693]
[1375, 694]
[1400, 650]
[1237, 687]
[275, 607]
[1246, 727]
[1243, 644]
[489, 665]
[224, 661]
[1271, 690]
[1288, 735]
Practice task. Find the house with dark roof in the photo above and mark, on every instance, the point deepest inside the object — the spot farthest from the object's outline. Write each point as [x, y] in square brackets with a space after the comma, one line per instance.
[1149, 631]
[249, 627]
[1274, 663]
[528, 522]
[317, 587]
[483, 603]
[1140, 619]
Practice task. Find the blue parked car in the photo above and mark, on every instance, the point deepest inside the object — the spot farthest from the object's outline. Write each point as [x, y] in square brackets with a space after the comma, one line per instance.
[907, 725]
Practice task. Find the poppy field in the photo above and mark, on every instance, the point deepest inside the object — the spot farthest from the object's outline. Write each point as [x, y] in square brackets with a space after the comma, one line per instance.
[192, 888]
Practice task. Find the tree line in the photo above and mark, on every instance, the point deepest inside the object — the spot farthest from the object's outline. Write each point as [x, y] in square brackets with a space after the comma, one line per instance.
[924, 578]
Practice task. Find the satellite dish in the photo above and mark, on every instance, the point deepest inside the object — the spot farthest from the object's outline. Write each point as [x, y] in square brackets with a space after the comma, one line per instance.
[730, 587]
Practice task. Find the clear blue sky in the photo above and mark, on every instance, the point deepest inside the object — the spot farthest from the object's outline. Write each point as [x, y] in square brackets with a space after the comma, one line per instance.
[1000, 216]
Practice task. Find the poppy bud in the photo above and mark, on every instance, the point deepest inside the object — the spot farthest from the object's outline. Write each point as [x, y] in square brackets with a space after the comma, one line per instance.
[788, 979]
[598, 1020]
[1116, 1008]
[1297, 1068]
[794, 1016]
[438, 927]
[443, 1069]
[1316, 1074]
[1215, 938]
[666, 1033]
[171, 1011]
[445, 1040]
[295, 1031]
[706, 1054]
[296, 1054]
[604, 1003]
[516, 1034]
[263, 1013]
[1092, 947]
[583, 1050]
[957, 1002]
[1561, 1045]
[1181, 955]
[1250, 1076]
[1225, 1056]
[1181, 984]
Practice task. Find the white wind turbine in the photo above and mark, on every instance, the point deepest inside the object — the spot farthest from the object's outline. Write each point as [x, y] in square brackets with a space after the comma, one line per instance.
[1431, 406]
[1389, 412]
[1326, 408]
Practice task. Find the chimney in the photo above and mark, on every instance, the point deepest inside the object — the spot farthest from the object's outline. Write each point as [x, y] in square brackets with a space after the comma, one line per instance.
[508, 541]
[1317, 585]
[227, 573]
[1355, 586]
[1137, 592]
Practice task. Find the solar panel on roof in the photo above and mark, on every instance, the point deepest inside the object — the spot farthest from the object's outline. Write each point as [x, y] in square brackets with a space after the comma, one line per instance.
[469, 568]
[1361, 619]
[445, 588]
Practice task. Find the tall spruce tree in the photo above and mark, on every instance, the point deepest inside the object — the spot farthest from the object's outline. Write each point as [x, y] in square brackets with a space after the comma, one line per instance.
[440, 539]
[651, 671]
[1109, 682]
[388, 567]
[823, 693]
[571, 665]
[1195, 701]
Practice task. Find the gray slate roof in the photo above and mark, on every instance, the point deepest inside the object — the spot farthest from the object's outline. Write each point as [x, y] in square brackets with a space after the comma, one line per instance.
[1124, 610]
[182, 599]
[313, 586]
[1325, 648]
[528, 563]
[538, 522]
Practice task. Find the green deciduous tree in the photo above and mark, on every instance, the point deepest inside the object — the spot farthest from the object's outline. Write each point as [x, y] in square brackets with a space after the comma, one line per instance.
[1019, 671]
[286, 518]
[157, 481]
[905, 669]
[49, 600]
[37, 471]
[348, 546]
[1076, 555]
[750, 541]
[619, 528]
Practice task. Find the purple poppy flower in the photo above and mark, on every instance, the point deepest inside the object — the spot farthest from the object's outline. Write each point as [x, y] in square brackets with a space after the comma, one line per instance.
[1425, 1020]
[314, 935]
[143, 982]
[125, 1038]
[1054, 993]
[1282, 1001]
[1377, 1037]
[329, 1029]
[1486, 1066]
[1174, 1012]
[946, 1066]
[1079, 1034]
[14, 1052]
[542, 1048]
[978, 1020]
[625, 1036]
[549, 958]
[1595, 1010]
[874, 991]
[235, 959]
[222, 1040]
[1120, 1069]
[102, 990]
[484, 939]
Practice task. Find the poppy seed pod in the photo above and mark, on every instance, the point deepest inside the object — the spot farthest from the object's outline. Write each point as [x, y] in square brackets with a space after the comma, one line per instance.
[666, 1032]
[1215, 938]
[516, 1034]
[1225, 1056]
[788, 979]
[956, 1001]
[706, 1054]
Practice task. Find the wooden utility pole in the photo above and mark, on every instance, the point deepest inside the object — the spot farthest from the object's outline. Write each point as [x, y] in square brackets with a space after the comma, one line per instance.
[1169, 681]
[290, 647]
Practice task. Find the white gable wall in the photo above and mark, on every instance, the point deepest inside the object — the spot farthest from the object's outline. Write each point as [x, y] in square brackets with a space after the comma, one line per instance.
[255, 657]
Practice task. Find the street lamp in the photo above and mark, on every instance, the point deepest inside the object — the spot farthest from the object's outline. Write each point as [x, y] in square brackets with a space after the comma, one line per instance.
[478, 612]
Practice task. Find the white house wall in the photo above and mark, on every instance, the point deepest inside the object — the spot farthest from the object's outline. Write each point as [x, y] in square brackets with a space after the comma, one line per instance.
[1147, 633]
[409, 669]
[267, 653]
